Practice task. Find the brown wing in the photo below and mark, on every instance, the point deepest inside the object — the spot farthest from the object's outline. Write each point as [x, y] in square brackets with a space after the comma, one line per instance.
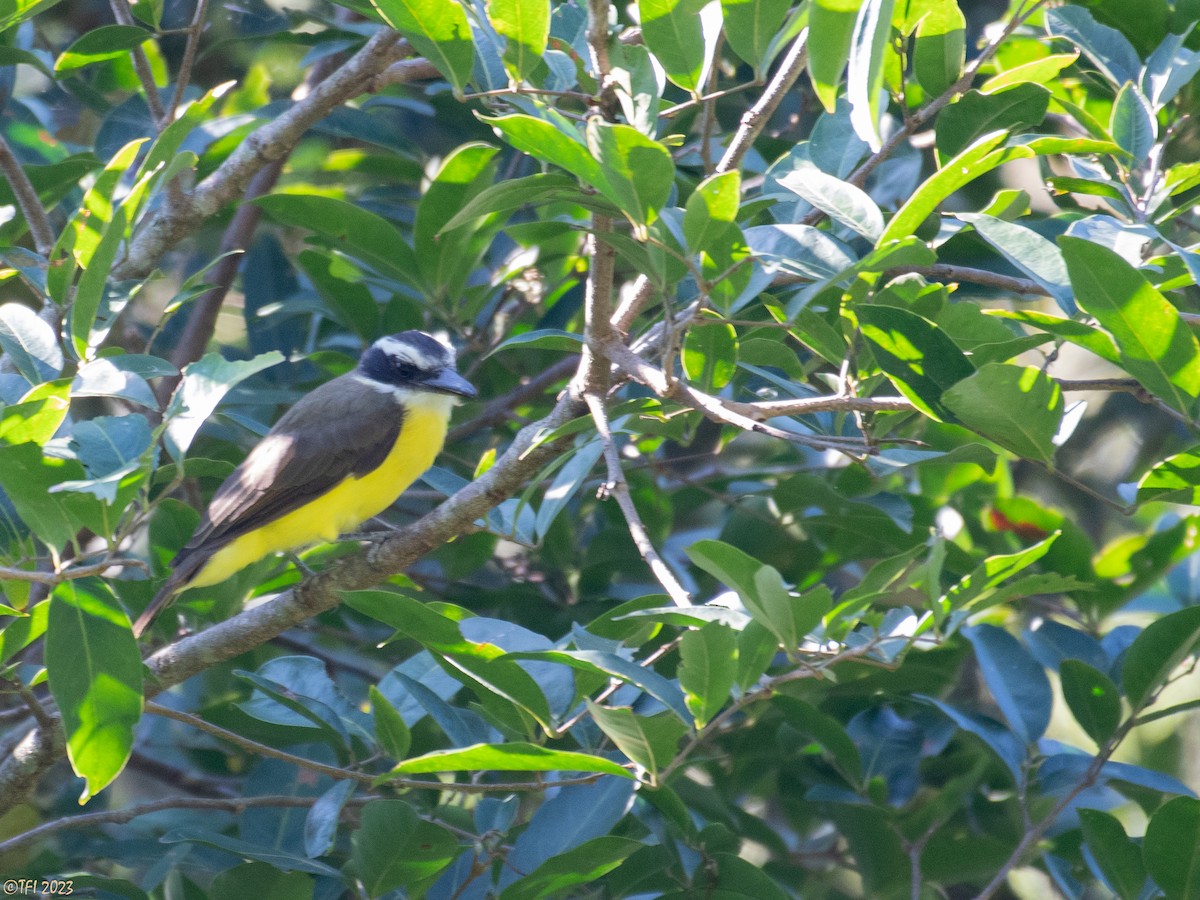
[340, 429]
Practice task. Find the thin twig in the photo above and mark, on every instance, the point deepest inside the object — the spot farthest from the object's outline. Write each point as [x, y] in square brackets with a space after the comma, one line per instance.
[123, 816]
[364, 778]
[27, 200]
[141, 65]
[40, 714]
[54, 578]
[184, 76]
[618, 488]
[716, 409]
[752, 123]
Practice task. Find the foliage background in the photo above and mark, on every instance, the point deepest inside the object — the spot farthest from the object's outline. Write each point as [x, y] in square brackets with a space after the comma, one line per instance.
[826, 524]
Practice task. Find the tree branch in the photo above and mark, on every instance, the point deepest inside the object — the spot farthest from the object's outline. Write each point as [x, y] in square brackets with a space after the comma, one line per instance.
[27, 200]
[272, 141]
[752, 123]
[141, 65]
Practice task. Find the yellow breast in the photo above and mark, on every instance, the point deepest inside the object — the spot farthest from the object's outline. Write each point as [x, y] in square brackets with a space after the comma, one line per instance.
[349, 503]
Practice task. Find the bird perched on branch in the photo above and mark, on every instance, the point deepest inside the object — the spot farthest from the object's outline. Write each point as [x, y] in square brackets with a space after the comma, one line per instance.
[341, 455]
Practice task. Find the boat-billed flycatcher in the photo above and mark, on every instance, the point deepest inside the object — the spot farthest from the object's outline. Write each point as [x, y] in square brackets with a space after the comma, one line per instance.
[341, 455]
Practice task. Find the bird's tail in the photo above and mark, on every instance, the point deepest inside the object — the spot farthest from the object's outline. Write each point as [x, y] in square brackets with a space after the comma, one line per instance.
[185, 569]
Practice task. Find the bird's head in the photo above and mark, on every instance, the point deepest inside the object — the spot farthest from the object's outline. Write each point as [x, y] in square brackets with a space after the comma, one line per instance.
[412, 362]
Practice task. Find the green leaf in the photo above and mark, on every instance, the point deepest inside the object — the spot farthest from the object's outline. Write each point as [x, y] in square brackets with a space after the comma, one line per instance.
[707, 670]
[1106, 47]
[751, 27]
[510, 757]
[711, 210]
[1017, 682]
[439, 30]
[166, 146]
[14, 11]
[345, 227]
[394, 848]
[390, 730]
[673, 33]
[90, 289]
[204, 383]
[1037, 257]
[1018, 407]
[1175, 479]
[39, 414]
[976, 114]
[556, 142]
[525, 26]
[100, 44]
[760, 586]
[26, 475]
[982, 583]
[1037, 71]
[1157, 652]
[638, 171]
[1078, 333]
[840, 200]
[512, 194]
[834, 21]
[649, 741]
[1157, 348]
[1093, 699]
[1117, 857]
[1133, 125]
[918, 357]
[445, 260]
[710, 352]
[29, 343]
[940, 47]
[979, 158]
[864, 72]
[584, 864]
[1171, 848]
[95, 673]
[23, 630]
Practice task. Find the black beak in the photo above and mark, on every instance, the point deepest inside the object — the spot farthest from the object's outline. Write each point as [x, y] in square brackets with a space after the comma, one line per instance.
[447, 381]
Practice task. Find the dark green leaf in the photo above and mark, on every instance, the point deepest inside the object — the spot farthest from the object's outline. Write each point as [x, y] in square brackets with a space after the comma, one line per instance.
[581, 865]
[673, 32]
[751, 27]
[1093, 699]
[1018, 407]
[525, 26]
[1118, 857]
[390, 729]
[1171, 848]
[976, 114]
[649, 741]
[1017, 683]
[394, 848]
[710, 353]
[1157, 652]
[940, 47]
[99, 44]
[916, 355]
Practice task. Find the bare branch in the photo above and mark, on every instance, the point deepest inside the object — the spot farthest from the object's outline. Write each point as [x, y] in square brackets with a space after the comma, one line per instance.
[618, 487]
[184, 76]
[122, 816]
[54, 578]
[716, 409]
[274, 140]
[141, 65]
[27, 200]
[752, 124]
[755, 119]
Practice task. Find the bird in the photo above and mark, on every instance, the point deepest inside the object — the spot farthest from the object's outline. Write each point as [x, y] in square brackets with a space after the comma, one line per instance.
[341, 455]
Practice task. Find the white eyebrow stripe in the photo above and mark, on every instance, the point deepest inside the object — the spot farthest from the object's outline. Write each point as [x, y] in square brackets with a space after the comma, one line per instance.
[396, 391]
[407, 353]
